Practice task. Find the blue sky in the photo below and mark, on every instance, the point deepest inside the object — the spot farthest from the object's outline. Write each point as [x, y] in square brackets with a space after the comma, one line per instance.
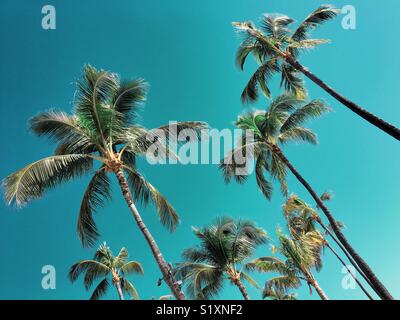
[185, 50]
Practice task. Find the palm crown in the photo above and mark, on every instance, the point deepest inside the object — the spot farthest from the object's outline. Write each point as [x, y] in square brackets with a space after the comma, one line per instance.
[224, 246]
[272, 44]
[301, 256]
[102, 127]
[103, 265]
[281, 123]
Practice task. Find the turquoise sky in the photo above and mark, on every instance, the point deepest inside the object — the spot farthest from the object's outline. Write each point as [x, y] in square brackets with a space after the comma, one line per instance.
[185, 49]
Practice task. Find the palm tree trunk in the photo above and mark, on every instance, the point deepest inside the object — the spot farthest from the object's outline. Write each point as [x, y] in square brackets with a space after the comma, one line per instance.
[378, 285]
[242, 289]
[319, 290]
[318, 219]
[119, 289]
[350, 272]
[165, 270]
[371, 118]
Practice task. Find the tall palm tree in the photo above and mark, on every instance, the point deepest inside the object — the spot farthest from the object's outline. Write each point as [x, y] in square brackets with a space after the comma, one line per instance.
[224, 247]
[277, 49]
[281, 123]
[102, 128]
[301, 219]
[301, 255]
[104, 265]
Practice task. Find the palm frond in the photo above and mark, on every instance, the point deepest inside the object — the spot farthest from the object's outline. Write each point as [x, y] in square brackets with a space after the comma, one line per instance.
[316, 18]
[132, 267]
[203, 280]
[249, 279]
[276, 25]
[92, 100]
[87, 266]
[128, 98]
[144, 191]
[277, 292]
[121, 258]
[98, 190]
[313, 109]
[100, 290]
[245, 48]
[260, 78]
[267, 264]
[283, 282]
[292, 81]
[263, 46]
[62, 128]
[298, 134]
[263, 184]
[32, 181]
[129, 288]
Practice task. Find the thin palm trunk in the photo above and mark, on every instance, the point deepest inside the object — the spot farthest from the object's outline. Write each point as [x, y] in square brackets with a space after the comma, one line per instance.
[318, 219]
[350, 272]
[371, 118]
[119, 289]
[242, 289]
[165, 270]
[378, 285]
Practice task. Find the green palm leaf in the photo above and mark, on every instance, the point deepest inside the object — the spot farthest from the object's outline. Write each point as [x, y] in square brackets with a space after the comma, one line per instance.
[144, 192]
[100, 290]
[98, 190]
[32, 181]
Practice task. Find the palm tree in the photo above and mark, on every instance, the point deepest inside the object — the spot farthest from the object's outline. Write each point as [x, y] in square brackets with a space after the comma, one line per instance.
[280, 124]
[277, 49]
[224, 247]
[104, 265]
[103, 128]
[277, 293]
[301, 256]
[301, 220]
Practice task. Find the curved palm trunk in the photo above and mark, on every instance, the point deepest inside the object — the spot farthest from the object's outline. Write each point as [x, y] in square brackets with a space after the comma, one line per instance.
[366, 115]
[319, 290]
[350, 272]
[378, 285]
[242, 288]
[165, 270]
[119, 289]
[318, 219]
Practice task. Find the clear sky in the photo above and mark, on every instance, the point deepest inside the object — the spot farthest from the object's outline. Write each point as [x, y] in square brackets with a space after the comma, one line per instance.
[185, 49]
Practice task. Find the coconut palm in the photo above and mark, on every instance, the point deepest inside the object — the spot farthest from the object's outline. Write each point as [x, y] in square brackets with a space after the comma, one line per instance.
[301, 219]
[301, 255]
[277, 49]
[102, 128]
[274, 292]
[104, 266]
[224, 248]
[281, 123]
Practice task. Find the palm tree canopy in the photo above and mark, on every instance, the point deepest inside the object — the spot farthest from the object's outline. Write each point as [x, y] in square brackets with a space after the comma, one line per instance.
[281, 123]
[301, 255]
[103, 127]
[222, 246]
[301, 217]
[272, 43]
[104, 264]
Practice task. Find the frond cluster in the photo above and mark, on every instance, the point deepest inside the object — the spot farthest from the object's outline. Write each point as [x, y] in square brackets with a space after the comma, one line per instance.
[281, 123]
[103, 266]
[222, 246]
[272, 43]
[101, 127]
